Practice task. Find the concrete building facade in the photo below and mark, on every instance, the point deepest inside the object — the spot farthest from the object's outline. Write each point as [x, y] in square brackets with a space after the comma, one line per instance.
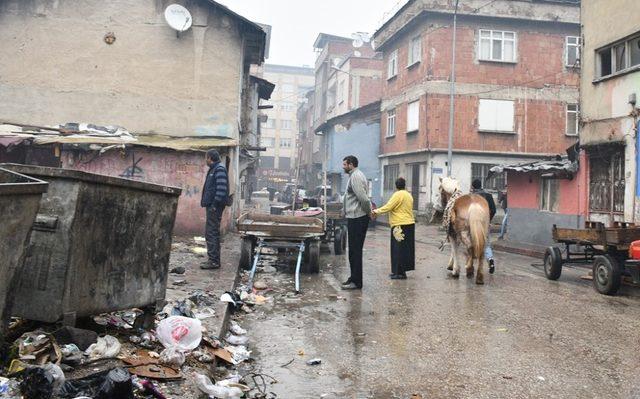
[119, 63]
[279, 133]
[610, 87]
[516, 96]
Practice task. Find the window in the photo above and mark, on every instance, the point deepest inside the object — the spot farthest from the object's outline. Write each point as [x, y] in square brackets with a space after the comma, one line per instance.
[392, 66]
[607, 180]
[285, 124]
[413, 116]
[391, 173]
[285, 143]
[572, 51]
[618, 57]
[286, 107]
[480, 171]
[266, 161]
[415, 50]
[268, 142]
[270, 124]
[573, 113]
[391, 123]
[497, 45]
[496, 116]
[549, 192]
[284, 163]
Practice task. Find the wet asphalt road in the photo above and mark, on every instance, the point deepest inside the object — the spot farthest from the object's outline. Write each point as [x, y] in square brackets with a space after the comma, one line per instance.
[518, 336]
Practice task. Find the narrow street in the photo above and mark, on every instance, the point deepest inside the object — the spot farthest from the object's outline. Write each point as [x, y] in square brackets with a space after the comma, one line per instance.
[517, 336]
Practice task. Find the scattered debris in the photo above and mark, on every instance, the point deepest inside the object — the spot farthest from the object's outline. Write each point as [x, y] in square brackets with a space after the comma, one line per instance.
[178, 270]
[225, 389]
[236, 339]
[71, 335]
[106, 347]
[146, 365]
[260, 285]
[182, 333]
[236, 329]
[314, 362]
[199, 251]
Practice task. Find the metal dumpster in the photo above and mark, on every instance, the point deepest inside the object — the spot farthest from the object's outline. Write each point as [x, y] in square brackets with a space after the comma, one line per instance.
[19, 202]
[99, 244]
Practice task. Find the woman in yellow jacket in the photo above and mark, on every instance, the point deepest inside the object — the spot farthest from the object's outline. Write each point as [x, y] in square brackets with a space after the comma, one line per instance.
[400, 209]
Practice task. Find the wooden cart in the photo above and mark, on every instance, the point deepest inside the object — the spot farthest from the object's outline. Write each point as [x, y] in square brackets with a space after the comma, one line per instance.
[283, 233]
[605, 249]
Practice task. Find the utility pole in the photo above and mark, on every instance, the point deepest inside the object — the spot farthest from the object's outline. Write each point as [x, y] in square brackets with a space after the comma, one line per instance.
[453, 92]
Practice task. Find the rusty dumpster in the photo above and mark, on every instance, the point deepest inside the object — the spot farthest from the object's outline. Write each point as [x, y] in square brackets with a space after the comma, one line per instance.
[19, 202]
[99, 244]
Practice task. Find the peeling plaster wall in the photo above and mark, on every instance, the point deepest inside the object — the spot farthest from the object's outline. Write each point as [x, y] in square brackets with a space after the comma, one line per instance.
[60, 69]
[182, 169]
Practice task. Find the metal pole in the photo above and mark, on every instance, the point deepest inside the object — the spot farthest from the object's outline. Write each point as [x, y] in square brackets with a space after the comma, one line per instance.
[324, 178]
[453, 92]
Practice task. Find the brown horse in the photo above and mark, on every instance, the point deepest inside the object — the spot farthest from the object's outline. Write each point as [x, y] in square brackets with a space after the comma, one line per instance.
[466, 220]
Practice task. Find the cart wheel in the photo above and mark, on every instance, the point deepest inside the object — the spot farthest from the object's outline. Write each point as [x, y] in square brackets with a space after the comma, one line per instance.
[553, 263]
[247, 248]
[311, 257]
[607, 274]
[338, 241]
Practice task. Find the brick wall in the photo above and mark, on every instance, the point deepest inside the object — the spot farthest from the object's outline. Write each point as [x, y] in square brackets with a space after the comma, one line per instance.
[539, 119]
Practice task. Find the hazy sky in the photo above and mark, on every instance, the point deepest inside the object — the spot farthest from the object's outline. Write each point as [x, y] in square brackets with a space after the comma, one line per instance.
[296, 23]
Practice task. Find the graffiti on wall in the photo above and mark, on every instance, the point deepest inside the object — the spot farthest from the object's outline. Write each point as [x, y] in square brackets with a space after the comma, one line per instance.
[134, 171]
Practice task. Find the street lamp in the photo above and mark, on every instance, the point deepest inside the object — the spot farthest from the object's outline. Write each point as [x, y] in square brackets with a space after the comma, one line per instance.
[452, 93]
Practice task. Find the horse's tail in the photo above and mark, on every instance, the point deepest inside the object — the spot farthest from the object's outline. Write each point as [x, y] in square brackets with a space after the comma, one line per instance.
[479, 228]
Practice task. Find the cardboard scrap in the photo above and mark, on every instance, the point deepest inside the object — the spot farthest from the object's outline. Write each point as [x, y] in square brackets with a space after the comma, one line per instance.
[148, 367]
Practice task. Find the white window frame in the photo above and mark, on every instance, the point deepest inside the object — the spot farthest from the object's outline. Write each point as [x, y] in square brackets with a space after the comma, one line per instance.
[547, 187]
[391, 122]
[413, 116]
[502, 39]
[615, 69]
[568, 46]
[286, 124]
[575, 111]
[270, 123]
[271, 142]
[285, 140]
[493, 111]
[415, 51]
[392, 65]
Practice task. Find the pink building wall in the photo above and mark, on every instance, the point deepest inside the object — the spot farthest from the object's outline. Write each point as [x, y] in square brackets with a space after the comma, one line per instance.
[166, 167]
[524, 191]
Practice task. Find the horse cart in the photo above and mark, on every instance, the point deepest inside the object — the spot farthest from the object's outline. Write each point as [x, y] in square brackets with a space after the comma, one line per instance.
[285, 234]
[607, 250]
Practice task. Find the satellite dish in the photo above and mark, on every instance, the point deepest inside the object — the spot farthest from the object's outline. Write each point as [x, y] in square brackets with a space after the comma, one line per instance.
[336, 62]
[178, 17]
[357, 43]
[357, 53]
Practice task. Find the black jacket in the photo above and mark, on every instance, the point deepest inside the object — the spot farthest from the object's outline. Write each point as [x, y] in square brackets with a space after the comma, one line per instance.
[216, 187]
[490, 201]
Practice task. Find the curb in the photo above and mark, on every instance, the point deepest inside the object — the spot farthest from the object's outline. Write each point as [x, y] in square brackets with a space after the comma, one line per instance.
[531, 252]
[224, 327]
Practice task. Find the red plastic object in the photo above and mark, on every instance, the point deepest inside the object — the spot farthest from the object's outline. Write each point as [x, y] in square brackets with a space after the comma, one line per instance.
[634, 250]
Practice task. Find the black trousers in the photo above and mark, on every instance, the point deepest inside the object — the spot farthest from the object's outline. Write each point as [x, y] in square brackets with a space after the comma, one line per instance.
[403, 256]
[357, 230]
[212, 234]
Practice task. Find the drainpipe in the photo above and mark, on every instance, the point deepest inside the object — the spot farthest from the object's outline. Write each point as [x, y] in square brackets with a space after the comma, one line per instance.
[453, 91]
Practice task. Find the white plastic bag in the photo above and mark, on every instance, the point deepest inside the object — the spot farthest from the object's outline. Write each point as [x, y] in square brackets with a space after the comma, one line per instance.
[181, 333]
[106, 346]
[237, 339]
[236, 329]
[218, 391]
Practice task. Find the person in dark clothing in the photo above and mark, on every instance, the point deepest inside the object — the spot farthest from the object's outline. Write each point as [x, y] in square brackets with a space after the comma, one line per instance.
[503, 202]
[476, 188]
[214, 198]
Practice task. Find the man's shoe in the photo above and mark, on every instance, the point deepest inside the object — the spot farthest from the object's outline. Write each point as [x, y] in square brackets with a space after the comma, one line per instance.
[399, 277]
[492, 266]
[351, 286]
[209, 265]
[392, 275]
[349, 281]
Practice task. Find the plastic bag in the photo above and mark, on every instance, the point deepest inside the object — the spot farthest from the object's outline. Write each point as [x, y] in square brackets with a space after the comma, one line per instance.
[221, 392]
[182, 333]
[172, 357]
[236, 329]
[106, 346]
[237, 339]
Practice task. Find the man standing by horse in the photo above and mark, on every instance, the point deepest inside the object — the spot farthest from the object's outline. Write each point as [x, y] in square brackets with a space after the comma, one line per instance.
[476, 188]
[357, 208]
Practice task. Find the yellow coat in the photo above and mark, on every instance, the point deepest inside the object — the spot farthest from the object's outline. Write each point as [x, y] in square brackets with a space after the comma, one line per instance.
[400, 209]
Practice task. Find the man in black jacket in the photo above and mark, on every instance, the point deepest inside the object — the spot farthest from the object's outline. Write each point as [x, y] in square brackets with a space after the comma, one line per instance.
[476, 188]
[214, 198]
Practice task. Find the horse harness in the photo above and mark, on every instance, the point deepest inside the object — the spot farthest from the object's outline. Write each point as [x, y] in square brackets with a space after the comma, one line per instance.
[446, 217]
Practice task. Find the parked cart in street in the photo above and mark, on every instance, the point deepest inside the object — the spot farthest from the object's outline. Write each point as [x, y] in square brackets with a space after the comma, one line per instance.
[285, 234]
[613, 253]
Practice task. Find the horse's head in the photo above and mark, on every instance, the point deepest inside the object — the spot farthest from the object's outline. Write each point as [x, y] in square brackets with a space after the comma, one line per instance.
[448, 186]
